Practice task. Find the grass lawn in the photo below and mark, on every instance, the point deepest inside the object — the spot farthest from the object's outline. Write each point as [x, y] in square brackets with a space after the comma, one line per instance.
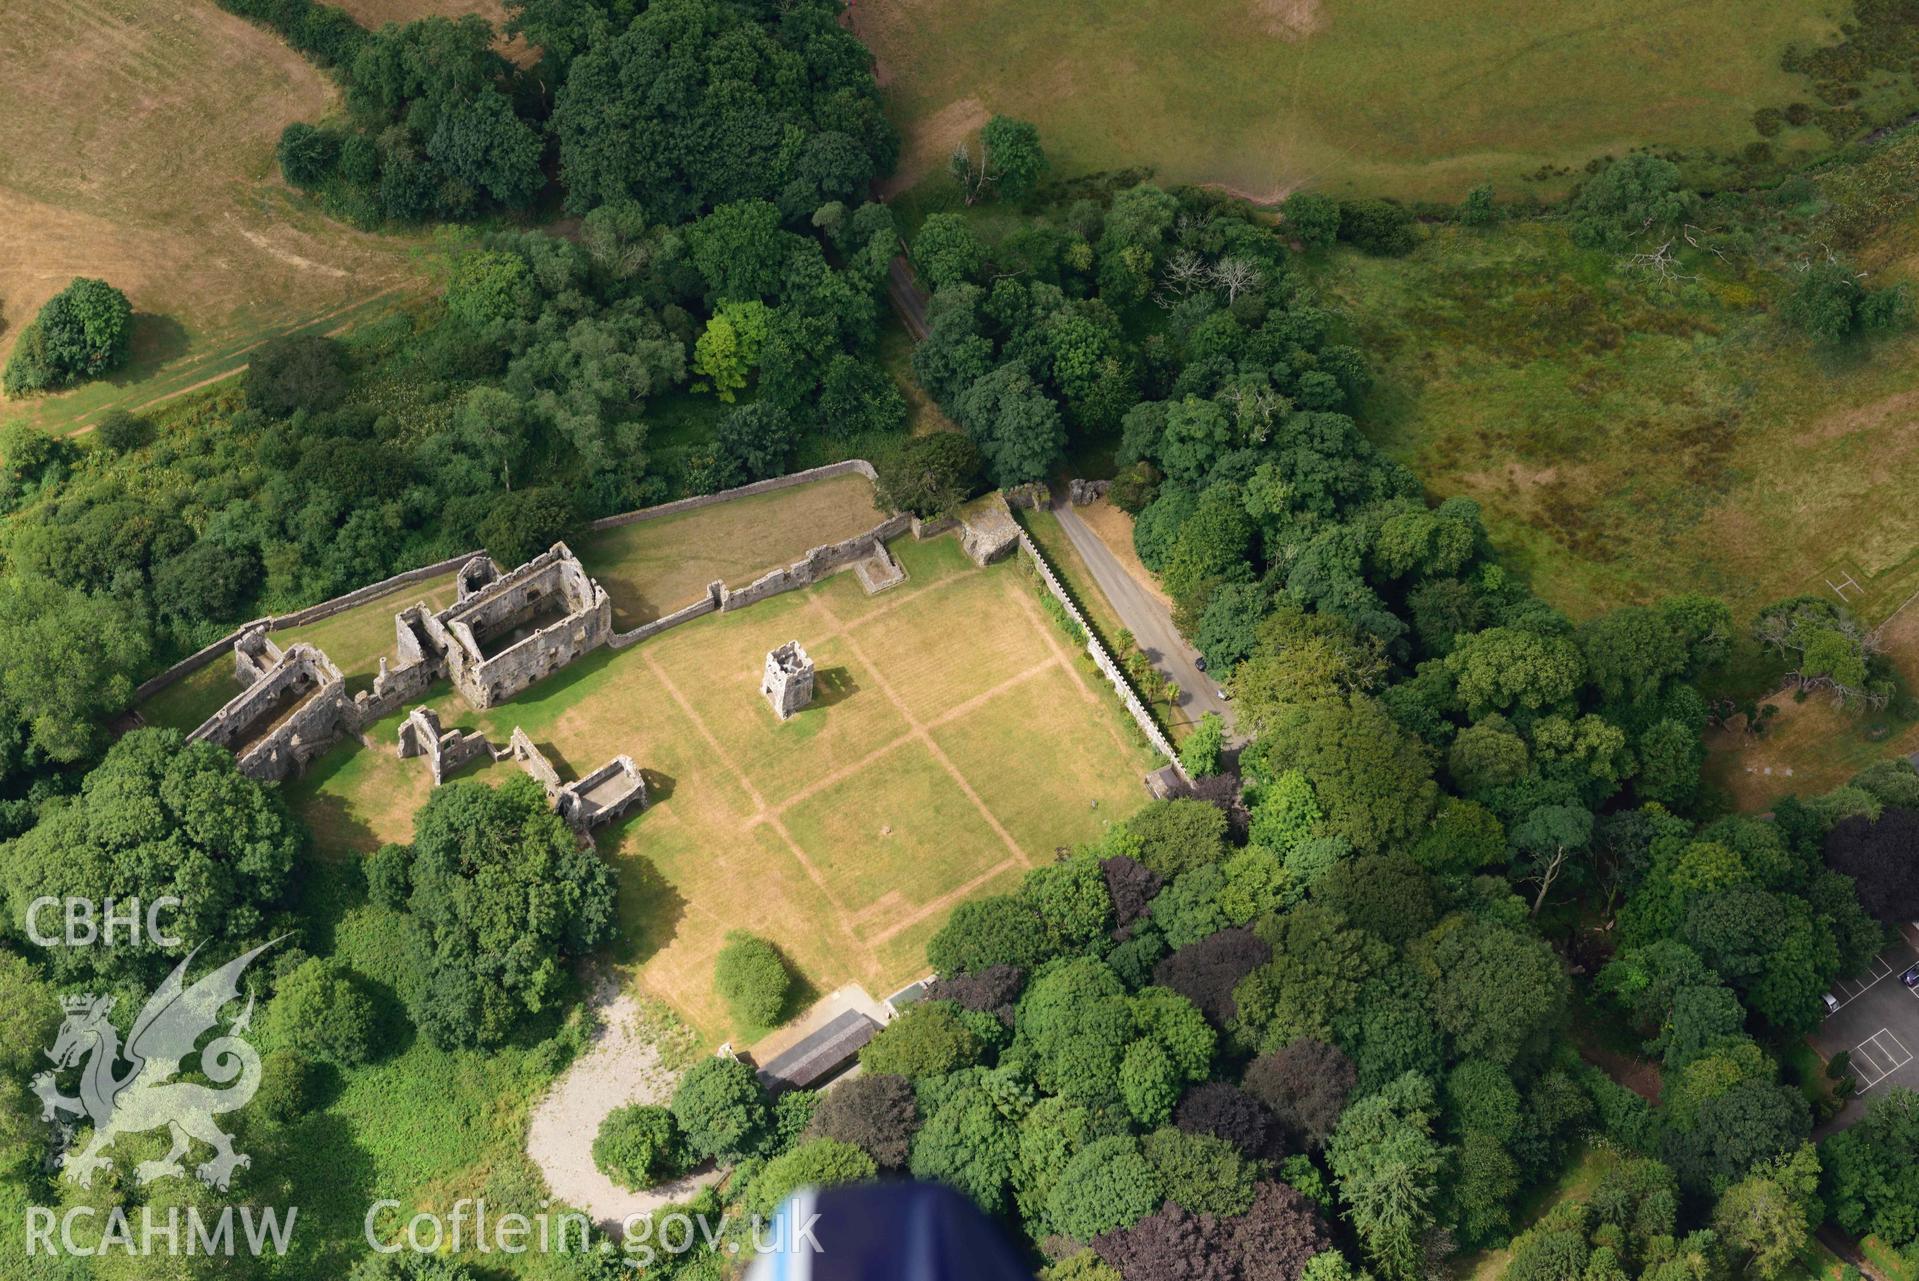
[656, 566]
[921, 775]
[186, 704]
[1413, 98]
[1886, 1261]
[1807, 748]
[147, 160]
[1578, 1181]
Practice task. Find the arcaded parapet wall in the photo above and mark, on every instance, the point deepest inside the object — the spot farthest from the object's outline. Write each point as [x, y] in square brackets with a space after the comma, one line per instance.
[497, 640]
[296, 709]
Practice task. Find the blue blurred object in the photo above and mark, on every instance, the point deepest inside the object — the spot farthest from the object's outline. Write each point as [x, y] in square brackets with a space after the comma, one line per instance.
[885, 1232]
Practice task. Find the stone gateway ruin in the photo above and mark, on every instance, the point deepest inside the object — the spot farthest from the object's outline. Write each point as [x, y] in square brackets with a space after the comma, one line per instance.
[788, 680]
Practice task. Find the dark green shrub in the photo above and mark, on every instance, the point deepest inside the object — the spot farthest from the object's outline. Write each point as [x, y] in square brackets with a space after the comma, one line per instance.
[82, 332]
[1378, 227]
[522, 523]
[295, 372]
[308, 156]
[930, 475]
[120, 431]
[752, 979]
[639, 1146]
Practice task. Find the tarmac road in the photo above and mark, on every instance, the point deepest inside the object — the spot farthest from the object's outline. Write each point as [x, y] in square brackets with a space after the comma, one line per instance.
[1147, 617]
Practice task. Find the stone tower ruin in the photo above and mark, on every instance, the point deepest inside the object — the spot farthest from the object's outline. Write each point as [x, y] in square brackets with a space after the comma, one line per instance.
[788, 683]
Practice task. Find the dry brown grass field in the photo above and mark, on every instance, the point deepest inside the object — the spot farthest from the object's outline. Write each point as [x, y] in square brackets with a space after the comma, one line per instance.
[1410, 98]
[138, 147]
[372, 13]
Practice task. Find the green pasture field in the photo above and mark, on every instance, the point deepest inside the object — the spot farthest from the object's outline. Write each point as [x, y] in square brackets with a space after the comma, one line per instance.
[1411, 98]
[1629, 440]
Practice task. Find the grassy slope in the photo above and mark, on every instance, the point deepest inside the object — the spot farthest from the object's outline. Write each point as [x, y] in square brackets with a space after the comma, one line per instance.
[1404, 97]
[147, 159]
[1627, 442]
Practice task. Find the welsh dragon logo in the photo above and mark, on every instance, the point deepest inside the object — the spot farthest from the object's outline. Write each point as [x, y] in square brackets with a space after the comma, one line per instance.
[146, 1096]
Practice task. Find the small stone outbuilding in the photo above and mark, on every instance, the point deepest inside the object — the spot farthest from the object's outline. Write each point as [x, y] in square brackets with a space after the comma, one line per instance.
[988, 531]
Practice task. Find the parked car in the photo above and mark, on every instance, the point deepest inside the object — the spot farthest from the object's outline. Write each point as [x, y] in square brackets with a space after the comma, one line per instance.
[1911, 977]
[1832, 1003]
[1200, 662]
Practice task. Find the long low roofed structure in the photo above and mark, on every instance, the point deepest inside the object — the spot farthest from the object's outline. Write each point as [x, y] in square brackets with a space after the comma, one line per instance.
[820, 1054]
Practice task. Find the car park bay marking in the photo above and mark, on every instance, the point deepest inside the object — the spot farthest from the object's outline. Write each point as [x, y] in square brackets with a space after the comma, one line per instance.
[1878, 1057]
[1850, 990]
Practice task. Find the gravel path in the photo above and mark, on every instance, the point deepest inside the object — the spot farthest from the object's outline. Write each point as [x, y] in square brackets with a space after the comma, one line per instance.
[621, 1068]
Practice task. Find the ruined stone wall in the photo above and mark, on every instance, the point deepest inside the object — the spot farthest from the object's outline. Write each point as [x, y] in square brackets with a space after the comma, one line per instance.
[554, 575]
[528, 756]
[392, 689]
[804, 572]
[815, 565]
[303, 678]
[615, 789]
[445, 750]
[1122, 684]
[707, 604]
[253, 657]
[537, 656]
[299, 618]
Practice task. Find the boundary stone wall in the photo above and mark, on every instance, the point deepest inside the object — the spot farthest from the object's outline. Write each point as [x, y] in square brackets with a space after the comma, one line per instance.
[223, 647]
[804, 572]
[850, 467]
[1122, 685]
